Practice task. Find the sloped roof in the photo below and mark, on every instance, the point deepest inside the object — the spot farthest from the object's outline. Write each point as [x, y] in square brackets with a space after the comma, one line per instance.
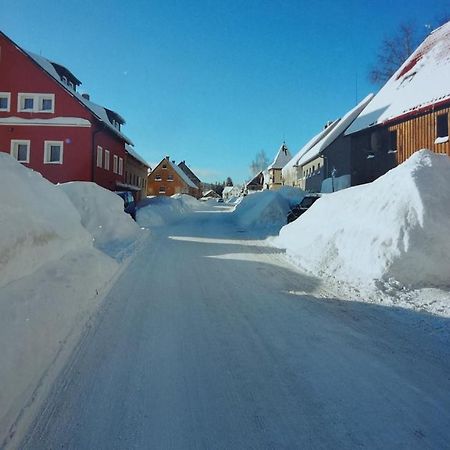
[129, 149]
[422, 81]
[317, 138]
[256, 179]
[179, 172]
[335, 132]
[99, 111]
[194, 178]
[281, 158]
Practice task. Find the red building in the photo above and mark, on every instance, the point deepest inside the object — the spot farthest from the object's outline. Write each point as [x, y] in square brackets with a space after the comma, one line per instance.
[48, 126]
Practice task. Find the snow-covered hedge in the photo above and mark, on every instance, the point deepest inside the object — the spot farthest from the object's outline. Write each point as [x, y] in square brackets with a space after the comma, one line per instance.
[38, 222]
[394, 229]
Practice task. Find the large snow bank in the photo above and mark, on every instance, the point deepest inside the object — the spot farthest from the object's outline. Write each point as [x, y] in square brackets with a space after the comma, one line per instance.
[158, 211]
[38, 222]
[267, 210]
[394, 230]
[102, 215]
[51, 281]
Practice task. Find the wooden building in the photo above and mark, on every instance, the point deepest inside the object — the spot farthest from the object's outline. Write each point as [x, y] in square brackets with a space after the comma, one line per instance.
[409, 113]
[168, 179]
[256, 183]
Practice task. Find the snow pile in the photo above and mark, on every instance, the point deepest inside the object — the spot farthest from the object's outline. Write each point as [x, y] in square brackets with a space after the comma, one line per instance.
[267, 210]
[158, 211]
[102, 215]
[51, 281]
[393, 231]
[38, 222]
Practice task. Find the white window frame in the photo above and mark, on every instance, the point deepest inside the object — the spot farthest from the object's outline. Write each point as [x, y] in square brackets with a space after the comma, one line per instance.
[47, 145]
[120, 166]
[106, 159]
[115, 163]
[162, 189]
[37, 102]
[99, 156]
[14, 149]
[6, 95]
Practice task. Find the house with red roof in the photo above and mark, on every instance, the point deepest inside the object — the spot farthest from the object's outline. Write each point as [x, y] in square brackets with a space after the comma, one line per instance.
[410, 112]
[48, 126]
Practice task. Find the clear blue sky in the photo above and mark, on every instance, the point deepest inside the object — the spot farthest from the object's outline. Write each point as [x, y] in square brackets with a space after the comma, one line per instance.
[214, 82]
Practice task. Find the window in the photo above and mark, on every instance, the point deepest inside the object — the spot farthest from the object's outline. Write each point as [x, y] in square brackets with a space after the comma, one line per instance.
[53, 152]
[162, 189]
[170, 177]
[164, 166]
[106, 159]
[5, 99]
[120, 166]
[36, 103]
[20, 150]
[157, 177]
[442, 125]
[99, 156]
[392, 141]
[115, 161]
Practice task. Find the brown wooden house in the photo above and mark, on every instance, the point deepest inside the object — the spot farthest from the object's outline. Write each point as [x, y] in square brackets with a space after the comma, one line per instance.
[168, 179]
[409, 113]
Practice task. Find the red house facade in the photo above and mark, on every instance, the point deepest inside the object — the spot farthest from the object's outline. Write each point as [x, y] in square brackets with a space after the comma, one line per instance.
[48, 126]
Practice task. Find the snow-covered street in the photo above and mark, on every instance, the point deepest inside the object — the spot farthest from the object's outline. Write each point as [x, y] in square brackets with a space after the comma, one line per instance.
[211, 340]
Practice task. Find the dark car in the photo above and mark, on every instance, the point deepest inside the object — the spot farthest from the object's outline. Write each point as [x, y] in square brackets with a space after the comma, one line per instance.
[129, 205]
[303, 206]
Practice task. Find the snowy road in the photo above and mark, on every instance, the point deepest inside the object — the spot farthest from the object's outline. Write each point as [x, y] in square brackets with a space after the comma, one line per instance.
[209, 341]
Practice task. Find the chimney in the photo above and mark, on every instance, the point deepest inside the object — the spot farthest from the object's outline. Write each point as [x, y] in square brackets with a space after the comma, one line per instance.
[167, 157]
[173, 161]
[86, 96]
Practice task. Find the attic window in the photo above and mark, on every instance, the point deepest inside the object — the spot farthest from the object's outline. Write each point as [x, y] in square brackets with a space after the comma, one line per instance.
[442, 125]
[164, 166]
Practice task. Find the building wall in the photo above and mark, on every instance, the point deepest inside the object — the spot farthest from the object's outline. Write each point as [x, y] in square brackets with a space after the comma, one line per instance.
[310, 174]
[103, 175]
[136, 175]
[276, 180]
[76, 164]
[418, 133]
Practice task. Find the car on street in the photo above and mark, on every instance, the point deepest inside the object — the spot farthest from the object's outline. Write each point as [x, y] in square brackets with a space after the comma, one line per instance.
[303, 206]
[129, 205]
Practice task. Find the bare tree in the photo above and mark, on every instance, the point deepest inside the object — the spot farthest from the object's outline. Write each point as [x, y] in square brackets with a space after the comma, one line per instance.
[260, 162]
[394, 51]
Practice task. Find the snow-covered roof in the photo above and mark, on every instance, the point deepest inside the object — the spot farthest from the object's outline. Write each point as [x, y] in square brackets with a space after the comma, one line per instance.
[317, 138]
[339, 127]
[99, 111]
[181, 174]
[422, 81]
[281, 158]
[136, 155]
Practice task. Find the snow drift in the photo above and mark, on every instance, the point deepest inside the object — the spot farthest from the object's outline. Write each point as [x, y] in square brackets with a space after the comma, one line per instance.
[267, 210]
[392, 230]
[38, 222]
[158, 211]
[102, 215]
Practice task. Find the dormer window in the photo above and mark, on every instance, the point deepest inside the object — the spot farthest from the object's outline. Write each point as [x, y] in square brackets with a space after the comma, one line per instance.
[64, 79]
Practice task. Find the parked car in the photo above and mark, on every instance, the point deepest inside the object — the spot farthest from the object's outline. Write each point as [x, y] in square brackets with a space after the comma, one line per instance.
[304, 205]
[129, 205]
[220, 200]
